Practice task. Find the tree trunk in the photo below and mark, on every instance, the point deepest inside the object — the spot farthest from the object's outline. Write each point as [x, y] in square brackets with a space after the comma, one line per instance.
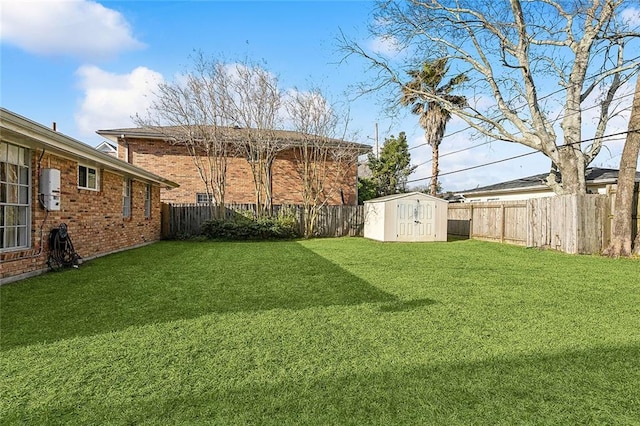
[571, 166]
[435, 159]
[622, 213]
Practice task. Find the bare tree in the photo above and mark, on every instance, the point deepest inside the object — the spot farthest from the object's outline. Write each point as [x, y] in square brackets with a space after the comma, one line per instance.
[254, 100]
[323, 157]
[623, 209]
[192, 112]
[509, 50]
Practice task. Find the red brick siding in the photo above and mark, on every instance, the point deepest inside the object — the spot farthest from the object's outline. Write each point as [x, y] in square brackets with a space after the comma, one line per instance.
[174, 163]
[94, 218]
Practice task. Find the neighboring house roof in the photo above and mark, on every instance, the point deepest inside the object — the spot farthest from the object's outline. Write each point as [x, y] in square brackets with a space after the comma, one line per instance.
[232, 133]
[451, 197]
[18, 129]
[593, 175]
[403, 195]
[107, 147]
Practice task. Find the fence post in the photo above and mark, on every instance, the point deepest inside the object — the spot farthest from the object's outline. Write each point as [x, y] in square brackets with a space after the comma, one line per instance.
[502, 225]
[164, 220]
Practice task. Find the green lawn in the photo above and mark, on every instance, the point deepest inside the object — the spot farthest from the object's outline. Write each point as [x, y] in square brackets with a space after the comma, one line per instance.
[329, 331]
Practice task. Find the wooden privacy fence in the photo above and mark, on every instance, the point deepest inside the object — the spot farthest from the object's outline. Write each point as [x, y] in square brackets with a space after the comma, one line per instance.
[569, 223]
[333, 221]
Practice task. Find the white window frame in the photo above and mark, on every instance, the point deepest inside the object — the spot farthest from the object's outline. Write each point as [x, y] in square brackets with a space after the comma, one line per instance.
[127, 185]
[201, 198]
[86, 183]
[147, 201]
[15, 197]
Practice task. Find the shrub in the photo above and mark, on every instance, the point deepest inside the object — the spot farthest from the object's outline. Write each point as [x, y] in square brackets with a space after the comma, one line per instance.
[243, 228]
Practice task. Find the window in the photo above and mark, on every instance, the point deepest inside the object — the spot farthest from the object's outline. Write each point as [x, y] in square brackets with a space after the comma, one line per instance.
[203, 198]
[126, 198]
[15, 200]
[147, 201]
[88, 178]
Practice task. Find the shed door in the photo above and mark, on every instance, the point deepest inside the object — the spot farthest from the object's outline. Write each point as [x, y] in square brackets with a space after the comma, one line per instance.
[415, 221]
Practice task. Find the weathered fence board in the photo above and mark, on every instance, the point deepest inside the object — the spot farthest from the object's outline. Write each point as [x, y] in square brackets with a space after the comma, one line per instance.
[569, 223]
[333, 221]
[459, 219]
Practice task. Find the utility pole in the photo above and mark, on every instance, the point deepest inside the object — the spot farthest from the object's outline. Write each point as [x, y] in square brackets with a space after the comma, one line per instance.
[377, 148]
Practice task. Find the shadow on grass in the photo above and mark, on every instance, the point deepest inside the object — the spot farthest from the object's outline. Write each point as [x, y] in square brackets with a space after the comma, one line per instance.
[595, 386]
[174, 280]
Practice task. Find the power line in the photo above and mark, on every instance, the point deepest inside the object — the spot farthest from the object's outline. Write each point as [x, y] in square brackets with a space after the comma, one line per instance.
[515, 157]
[478, 166]
[456, 152]
[555, 120]
[540, 99]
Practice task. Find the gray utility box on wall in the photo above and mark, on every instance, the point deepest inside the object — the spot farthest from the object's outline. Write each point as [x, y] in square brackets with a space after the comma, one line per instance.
[50, 189]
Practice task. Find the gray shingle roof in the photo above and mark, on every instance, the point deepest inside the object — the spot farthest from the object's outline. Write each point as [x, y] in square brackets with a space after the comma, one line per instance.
[232, 133]
[593, 175]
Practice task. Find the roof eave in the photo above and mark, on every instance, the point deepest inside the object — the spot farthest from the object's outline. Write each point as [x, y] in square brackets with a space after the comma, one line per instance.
[508, 190]
[72, 147]
[116, 134]
[466, 194]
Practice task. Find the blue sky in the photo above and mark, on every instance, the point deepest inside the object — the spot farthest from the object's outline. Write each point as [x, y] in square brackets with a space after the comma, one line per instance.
[91, 65]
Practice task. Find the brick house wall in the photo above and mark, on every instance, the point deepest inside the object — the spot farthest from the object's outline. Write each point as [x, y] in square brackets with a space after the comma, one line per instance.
[175, 163]
[94, 218]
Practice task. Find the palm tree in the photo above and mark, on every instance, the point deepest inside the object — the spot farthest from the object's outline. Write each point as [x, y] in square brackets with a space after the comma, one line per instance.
[429, 100]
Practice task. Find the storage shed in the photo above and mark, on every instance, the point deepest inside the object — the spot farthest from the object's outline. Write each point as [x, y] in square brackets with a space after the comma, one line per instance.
[413, 216]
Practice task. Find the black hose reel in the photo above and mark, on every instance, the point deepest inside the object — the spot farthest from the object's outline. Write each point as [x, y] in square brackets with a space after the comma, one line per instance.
[61, 251]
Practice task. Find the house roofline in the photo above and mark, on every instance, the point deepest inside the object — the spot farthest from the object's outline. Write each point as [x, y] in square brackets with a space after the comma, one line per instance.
[142, 133]
[28, 131]
[519, 189]
[536, 187]
[107, 144]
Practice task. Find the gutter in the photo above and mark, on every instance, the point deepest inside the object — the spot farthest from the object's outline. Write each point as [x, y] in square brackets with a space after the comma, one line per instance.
[60, 142]
[116, 134]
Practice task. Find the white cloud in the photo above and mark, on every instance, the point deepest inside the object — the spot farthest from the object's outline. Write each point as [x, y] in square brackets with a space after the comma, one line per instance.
[388, 46]
[631, 15]
[110, 100]
[78, 28]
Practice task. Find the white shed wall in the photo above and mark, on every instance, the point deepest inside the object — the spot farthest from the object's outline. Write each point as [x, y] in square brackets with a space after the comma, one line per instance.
[374, 219]
[442, 217]
[390, 217]
[383, 224]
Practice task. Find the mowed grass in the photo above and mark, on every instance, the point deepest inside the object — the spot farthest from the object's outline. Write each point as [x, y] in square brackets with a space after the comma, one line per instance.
[331, 331]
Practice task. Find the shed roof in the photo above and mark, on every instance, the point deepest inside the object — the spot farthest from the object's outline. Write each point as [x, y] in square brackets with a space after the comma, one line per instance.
[404, 195]
[19, 129]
